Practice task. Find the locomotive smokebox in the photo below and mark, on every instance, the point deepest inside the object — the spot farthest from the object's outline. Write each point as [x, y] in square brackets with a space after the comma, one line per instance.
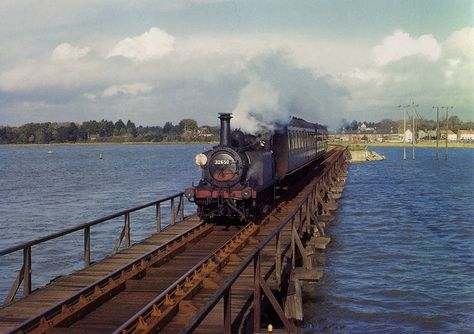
[225, 129]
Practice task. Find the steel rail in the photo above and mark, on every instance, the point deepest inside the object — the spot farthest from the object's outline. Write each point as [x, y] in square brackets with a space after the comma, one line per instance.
[186, 284]
[100, 288]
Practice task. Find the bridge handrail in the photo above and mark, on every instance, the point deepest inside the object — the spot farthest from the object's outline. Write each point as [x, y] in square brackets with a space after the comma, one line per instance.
[225, 286]
[24, 274]
[76, 228]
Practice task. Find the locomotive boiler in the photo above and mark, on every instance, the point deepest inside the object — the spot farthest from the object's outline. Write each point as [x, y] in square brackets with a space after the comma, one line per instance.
[245, 173]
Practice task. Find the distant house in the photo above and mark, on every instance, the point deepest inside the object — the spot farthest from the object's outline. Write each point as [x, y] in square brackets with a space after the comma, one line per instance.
[427, 135]
[364, 127]
[451, 135]
[466, 135]
[358, 136]
[204, 131]
[408, 135]
[422, 134]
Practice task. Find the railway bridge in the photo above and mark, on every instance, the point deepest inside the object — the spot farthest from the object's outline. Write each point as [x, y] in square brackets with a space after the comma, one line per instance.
[189, 276]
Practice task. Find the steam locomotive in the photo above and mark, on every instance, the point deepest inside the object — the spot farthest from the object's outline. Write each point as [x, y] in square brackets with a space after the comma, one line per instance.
[245, 173]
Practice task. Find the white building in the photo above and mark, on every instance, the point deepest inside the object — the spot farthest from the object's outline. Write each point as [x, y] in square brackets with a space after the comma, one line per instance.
[451, 135]
[465, 135]
[408, 136]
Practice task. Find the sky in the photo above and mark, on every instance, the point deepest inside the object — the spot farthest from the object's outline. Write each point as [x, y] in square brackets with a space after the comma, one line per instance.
[165, 60]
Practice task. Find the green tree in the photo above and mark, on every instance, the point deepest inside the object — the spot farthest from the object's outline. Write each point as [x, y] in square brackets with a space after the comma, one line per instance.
[187, 125]
[168, 128]
[131, 128]
[119, 128]
[454, 123]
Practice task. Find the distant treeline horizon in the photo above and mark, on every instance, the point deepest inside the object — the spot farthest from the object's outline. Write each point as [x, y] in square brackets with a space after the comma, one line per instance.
[106, 131]
[186, 130]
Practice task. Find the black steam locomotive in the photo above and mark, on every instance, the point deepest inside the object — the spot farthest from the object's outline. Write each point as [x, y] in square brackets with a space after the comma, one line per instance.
[244, 174]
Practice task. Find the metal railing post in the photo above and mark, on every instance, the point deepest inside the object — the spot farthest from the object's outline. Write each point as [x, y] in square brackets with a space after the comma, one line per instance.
[278, 260]
[173, 213]
[256, 294]
[87, 246]
[26, 271]
[158, 217]
[293, 248]
[127, 229]
[228, 312]
[181, 204]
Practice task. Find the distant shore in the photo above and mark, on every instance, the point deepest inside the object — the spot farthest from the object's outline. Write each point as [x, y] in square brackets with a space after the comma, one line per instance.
[116, 143]
[420, 144]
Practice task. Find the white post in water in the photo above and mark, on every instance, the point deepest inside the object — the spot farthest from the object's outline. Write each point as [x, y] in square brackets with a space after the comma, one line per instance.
[413, 137]
[404, 131]
[447, 129]
[437, 132]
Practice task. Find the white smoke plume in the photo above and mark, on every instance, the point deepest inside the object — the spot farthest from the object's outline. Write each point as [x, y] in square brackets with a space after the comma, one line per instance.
[277, 89]
[258, 107]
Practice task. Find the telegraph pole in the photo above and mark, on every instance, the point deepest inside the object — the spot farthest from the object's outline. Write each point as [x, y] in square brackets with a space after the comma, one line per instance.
[437, 131]
[404, 130]
[414, 129]
[447, 129]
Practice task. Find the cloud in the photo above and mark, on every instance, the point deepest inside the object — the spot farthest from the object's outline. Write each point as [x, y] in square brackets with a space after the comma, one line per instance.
[400, 45]
[258, 106]
[366, 75]
[66, 51]
[172, 5]
[277, 89]
[282, 74]
[154, 43]
[130, 89]
[461, 44]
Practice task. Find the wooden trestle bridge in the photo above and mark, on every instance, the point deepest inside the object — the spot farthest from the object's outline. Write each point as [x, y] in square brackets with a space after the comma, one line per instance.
[189, 276]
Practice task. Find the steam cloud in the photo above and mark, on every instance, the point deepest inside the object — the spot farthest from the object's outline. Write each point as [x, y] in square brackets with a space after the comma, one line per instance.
[277, 89]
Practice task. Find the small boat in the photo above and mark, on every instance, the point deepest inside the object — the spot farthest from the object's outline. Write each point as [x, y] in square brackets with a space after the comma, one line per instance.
[50, 152]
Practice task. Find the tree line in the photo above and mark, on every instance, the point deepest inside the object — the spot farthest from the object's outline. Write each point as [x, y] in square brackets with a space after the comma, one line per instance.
[105, 131]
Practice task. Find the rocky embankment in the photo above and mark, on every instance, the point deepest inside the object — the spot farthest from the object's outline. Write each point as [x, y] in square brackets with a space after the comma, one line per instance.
[365, 155]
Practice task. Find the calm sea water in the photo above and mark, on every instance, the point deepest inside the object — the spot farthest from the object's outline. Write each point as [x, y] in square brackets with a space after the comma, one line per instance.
[42, 193]
[401, 260]
[402, 256]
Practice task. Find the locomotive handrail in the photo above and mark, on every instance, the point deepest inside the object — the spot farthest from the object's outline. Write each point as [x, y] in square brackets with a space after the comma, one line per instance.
[24, 274]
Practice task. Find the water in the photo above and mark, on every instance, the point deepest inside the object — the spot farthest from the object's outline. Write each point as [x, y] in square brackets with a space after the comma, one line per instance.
[401, 260]
[402, 256]
[42, 193]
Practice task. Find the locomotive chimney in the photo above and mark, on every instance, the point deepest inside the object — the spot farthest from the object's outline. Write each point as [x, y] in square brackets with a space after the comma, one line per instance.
[225, 129]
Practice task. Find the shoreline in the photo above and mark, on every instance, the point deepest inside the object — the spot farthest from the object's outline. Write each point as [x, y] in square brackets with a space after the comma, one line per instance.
[408, 145]
[110, 143]
[334, 144]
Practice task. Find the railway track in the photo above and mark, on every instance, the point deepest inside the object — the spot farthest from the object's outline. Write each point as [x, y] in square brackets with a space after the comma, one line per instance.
[161, 289]
[106, 304]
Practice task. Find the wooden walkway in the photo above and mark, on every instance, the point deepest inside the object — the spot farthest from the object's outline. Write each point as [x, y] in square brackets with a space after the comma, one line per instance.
[63, 287]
